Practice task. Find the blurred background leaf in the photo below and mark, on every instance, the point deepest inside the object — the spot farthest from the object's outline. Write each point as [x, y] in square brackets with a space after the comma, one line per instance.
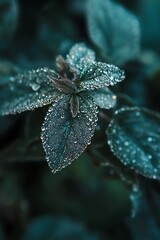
[117, 31]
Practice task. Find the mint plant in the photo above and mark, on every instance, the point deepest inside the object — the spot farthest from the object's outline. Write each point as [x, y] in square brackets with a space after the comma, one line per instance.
[120, 169]
[75, 90]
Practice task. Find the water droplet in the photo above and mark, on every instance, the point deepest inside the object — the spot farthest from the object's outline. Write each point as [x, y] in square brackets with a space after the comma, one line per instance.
[126, 144]
[43, 128]
[149, 139]
[149, 156]
[35, 86]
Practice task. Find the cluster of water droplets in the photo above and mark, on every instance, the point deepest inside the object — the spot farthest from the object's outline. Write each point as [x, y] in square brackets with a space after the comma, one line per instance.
[104, 98]
[29, 90]
[32, 78]
[79, 56]
[99, 75]
[134, 137]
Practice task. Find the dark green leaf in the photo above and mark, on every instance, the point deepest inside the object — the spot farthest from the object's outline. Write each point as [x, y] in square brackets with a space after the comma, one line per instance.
[27, 91]
[99, 75]
[103, 97]
[74, 105]
[63, 85]
[114, 30]
[64, 138]
[61, 64]
[134, 137]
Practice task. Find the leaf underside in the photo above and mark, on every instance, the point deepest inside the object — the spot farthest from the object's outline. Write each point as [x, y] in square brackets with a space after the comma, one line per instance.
[64, 138]
[27, 91]
[134, 137]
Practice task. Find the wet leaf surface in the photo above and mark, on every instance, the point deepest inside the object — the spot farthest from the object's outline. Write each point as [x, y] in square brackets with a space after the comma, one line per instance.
[64, 138]
[134, 137]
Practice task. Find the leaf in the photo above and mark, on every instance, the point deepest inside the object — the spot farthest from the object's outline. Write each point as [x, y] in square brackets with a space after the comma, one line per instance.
[27, 91]
[134, 137]
[79, 56]
[103, 97]
[64, 138]
[99, 75]
[149, 16]
[114, 30]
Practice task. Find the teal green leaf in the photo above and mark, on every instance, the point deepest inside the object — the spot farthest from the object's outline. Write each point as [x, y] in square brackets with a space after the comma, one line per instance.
[99, 75]
[79, 56]
[64, 138]
[27, 91]
[134, 137]
[103, 97]
[114, 30]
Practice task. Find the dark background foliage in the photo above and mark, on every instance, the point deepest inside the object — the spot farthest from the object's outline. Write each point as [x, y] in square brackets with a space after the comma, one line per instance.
[96, 197]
